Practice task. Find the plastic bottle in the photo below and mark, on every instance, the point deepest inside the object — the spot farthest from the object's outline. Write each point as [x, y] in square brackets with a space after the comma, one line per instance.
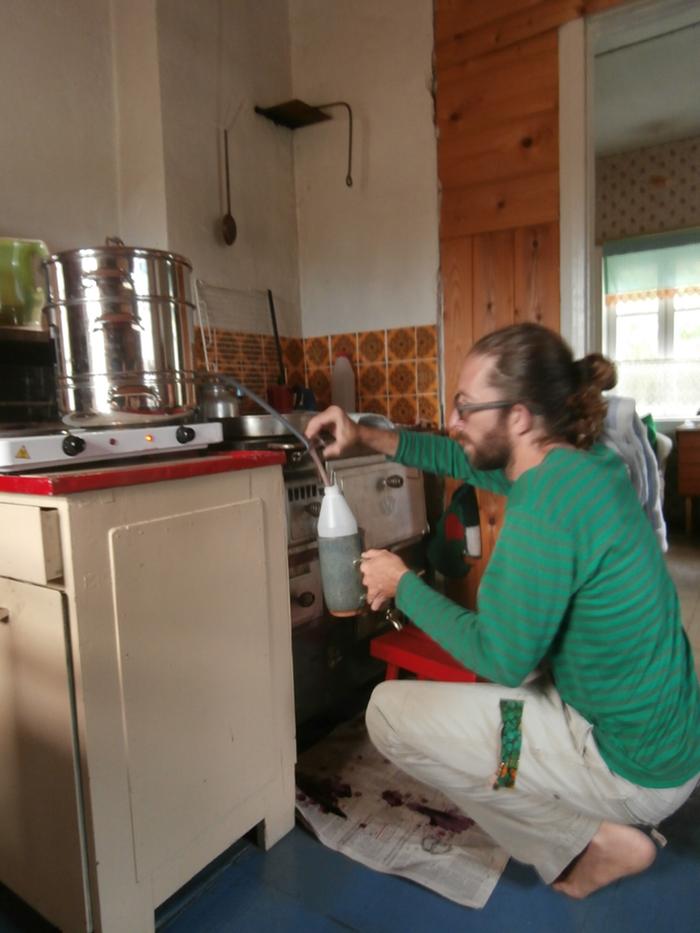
[339, 549]
[343, 384]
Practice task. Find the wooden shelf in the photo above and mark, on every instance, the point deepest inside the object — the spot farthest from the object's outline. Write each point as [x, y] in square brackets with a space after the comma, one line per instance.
[24, 334]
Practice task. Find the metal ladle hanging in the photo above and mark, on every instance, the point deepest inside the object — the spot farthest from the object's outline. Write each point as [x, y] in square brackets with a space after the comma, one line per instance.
[228, 224]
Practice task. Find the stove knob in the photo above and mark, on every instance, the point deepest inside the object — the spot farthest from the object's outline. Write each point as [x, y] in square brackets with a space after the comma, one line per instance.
[184, 435]
[305, 599]
[73, 445]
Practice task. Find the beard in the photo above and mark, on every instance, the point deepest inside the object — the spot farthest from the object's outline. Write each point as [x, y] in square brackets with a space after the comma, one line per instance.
[493, 452]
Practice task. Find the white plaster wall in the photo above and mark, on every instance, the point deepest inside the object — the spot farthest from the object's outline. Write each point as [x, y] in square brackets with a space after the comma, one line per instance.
[218, 59]
[57, 164]
[368, 255]
[143, 219]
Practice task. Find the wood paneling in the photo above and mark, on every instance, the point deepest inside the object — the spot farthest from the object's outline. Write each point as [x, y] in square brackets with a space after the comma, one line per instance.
[469, 28]
[454, 17]
[495, 89]
[497, 101]
[456, 262]
[519, 146]
[536, 275]
[522, 24]
[493, 278]
[500, 205]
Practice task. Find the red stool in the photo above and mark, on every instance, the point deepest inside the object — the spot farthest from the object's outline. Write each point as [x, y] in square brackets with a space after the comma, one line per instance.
[413, 650]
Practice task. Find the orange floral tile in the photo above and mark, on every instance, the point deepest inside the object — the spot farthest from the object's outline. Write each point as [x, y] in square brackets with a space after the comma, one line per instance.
[320, 384]
[403, 410]
[198, 350]
[316, 352]
[401, 343]
[374, 404]
[226, 341]
[251, 345]
[344, 345]
[427, 376]
[271, 359]
[402, 378]
[372, 380]
[295, 377]
[429, 409]
[426, 341]
[293, 352]
[371, 346]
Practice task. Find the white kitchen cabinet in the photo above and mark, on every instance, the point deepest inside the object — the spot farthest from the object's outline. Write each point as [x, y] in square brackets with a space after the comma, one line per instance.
[40, 840]
[148, 695]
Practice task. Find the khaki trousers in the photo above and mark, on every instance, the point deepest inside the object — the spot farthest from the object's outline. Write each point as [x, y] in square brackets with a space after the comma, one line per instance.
[448, 736]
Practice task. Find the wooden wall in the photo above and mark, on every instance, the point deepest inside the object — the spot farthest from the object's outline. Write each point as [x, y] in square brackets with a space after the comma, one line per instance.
[497, 72]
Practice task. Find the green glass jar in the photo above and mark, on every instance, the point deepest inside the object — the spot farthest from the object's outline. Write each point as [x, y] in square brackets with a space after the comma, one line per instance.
[22, 295]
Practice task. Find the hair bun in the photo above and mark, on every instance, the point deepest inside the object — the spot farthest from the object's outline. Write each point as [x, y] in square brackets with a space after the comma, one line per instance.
[596, 370]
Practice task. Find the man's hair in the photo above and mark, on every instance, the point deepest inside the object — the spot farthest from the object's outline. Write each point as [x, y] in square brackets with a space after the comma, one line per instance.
[535, 366]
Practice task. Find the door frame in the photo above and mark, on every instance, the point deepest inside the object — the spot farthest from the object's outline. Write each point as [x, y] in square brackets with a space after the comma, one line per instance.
[579, 41]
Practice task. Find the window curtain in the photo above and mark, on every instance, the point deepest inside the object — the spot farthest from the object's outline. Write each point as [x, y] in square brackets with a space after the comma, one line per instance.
[644, 266]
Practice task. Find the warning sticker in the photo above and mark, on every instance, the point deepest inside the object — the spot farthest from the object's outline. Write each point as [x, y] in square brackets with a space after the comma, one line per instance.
[22, 454]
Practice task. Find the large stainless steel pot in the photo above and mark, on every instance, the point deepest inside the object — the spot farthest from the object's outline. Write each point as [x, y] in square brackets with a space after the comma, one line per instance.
[121, 319]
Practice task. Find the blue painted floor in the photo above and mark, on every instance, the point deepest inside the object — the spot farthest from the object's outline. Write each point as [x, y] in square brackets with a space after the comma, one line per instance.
[301, 887]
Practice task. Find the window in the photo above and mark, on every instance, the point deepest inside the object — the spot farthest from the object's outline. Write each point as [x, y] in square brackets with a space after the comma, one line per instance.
[652, 321]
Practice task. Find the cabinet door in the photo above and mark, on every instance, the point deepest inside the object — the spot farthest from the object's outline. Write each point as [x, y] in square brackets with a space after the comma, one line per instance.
[40, 841]
[190, 594]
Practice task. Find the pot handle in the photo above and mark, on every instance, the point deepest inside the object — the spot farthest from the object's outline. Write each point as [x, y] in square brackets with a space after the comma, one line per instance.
[123, 277]
[117, 317]
[129, 393]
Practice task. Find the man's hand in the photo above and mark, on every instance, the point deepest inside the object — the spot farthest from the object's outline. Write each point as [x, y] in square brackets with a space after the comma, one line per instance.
[347, 433]
[381, 572]
[336, 422]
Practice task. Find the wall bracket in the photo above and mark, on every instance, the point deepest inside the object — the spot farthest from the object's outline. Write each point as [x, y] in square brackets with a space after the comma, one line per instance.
[295, 114]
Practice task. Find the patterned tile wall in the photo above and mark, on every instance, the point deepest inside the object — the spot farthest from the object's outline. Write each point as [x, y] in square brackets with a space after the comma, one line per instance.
[252, 359]
[648, 190]
[396, 370]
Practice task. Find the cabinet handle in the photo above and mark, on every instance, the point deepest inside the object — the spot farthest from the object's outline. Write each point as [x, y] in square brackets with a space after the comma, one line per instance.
[4, 614]
[393, 482]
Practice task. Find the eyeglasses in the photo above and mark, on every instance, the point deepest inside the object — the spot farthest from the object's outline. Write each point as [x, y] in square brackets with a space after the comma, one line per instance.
[465, 408]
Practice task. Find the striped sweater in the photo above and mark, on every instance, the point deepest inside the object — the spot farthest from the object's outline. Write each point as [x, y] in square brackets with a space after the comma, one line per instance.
[577, 581]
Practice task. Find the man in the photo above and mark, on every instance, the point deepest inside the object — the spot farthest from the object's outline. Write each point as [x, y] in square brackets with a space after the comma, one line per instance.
[606, 734]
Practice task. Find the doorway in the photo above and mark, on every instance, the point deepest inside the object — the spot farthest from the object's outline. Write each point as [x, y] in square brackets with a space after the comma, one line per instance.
[629, 151]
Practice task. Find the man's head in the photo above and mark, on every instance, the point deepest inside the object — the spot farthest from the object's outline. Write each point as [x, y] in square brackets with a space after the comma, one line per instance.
[479, 420]
[521, 385]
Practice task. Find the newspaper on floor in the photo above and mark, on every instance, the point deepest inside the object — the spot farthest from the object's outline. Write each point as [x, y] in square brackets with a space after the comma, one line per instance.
[358, 803]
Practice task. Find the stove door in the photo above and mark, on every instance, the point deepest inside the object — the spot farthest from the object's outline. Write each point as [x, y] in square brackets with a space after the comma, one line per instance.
[387, 500]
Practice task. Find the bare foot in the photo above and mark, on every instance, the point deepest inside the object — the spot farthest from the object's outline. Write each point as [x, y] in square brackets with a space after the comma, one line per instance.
[614, 852]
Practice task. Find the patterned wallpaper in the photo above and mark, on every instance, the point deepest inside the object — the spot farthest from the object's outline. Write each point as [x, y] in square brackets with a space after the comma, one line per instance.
[648, 190]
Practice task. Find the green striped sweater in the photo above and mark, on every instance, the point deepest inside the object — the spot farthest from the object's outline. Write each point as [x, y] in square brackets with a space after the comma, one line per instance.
[576, 580]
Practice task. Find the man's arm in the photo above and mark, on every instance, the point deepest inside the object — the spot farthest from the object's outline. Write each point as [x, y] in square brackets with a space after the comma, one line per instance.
[347, 433]
[523, 598]
[428, 452]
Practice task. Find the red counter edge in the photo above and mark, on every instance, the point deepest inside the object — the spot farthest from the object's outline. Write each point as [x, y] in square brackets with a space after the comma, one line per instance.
[59, 484]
